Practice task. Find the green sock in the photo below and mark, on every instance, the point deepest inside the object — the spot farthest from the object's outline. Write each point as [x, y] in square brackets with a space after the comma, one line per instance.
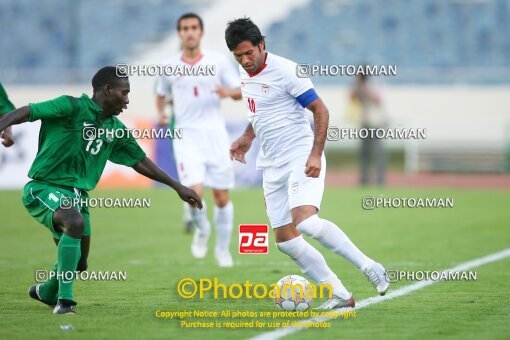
[69, 253]
[49, 289]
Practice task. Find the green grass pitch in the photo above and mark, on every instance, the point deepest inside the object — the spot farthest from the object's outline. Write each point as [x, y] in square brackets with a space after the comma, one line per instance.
[150, 246]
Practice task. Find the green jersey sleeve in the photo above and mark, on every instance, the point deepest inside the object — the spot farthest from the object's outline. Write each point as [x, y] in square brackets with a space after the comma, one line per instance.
[5, 103]
[59, 107]
[126, 151]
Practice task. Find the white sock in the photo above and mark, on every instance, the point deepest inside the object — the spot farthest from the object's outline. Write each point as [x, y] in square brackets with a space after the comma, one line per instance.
[200, 219]
[186, 213]
[313, 264]
[224, 222]
[332, 237]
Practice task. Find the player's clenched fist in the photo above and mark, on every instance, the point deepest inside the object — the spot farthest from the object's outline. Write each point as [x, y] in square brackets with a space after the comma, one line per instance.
[6, 137]
[190, 196]
[239, 148]
[313, 166]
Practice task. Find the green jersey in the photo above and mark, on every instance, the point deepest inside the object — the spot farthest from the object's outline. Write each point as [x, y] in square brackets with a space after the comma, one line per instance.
[5, 103]
[71, 152]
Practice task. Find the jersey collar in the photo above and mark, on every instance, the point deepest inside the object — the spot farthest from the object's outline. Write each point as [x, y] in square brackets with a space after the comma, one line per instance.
[261, 68]
[93, 106]
[192, 62]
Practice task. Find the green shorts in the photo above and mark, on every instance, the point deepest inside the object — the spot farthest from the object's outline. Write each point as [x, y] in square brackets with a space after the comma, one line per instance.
[43, 199]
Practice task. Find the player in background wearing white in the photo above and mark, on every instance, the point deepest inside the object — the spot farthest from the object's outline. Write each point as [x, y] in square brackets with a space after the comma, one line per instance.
[292, 159]
[202, 154]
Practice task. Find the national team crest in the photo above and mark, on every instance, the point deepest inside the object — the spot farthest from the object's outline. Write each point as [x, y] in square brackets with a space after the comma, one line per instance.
[265, 89]
[109, 138]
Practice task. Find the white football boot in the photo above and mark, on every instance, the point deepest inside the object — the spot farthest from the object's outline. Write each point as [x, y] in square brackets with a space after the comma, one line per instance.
[337, 302]
[199, 245]
[224, 259]
[376, 274]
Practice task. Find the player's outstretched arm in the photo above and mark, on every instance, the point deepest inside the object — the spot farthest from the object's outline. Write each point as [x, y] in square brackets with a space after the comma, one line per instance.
[147, 168]
[12, 118]
[241, 145]
[321, 121]
[234, 93]
[6, 137]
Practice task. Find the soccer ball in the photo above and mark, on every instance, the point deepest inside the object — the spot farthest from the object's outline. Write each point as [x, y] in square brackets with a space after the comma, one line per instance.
[293, 293]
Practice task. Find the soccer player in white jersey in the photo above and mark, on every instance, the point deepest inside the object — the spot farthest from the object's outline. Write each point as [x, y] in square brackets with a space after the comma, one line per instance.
[292, 159]
[202, 155]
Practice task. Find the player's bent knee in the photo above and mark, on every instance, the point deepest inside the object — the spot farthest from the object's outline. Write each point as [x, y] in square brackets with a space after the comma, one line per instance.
[222, 203]
[301, 213]
[293, 248]
[70, 221]
[286, 233]
[221, 198]
[75, 228]
[312, 226]
[74, 225]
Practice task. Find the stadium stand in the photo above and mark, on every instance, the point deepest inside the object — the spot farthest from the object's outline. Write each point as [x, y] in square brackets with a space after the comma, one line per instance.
[431, 41]
[79, 36]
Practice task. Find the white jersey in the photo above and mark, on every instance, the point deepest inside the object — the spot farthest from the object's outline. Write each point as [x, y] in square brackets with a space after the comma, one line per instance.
[274, 96]
[195, 102]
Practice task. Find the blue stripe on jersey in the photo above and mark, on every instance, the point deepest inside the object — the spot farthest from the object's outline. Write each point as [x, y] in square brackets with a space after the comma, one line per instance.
[307, 97]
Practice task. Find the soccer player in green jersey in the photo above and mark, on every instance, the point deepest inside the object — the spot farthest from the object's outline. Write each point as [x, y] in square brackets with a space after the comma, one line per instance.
[69, 163]
[5, 106]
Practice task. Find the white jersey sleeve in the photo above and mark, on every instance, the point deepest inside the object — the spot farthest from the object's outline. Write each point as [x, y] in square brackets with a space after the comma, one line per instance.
[295, 85]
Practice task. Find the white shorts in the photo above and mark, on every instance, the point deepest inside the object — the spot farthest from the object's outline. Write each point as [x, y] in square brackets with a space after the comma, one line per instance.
[203, 157]
[287, 187]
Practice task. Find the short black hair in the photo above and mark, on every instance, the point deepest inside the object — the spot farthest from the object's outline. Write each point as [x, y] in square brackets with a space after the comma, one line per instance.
[241, 30]
[190, 15]
[108, 75]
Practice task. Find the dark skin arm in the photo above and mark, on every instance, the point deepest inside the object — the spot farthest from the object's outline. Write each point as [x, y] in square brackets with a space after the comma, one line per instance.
[321, 121]
[12, 118]
[6, 136]
[147, 168]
